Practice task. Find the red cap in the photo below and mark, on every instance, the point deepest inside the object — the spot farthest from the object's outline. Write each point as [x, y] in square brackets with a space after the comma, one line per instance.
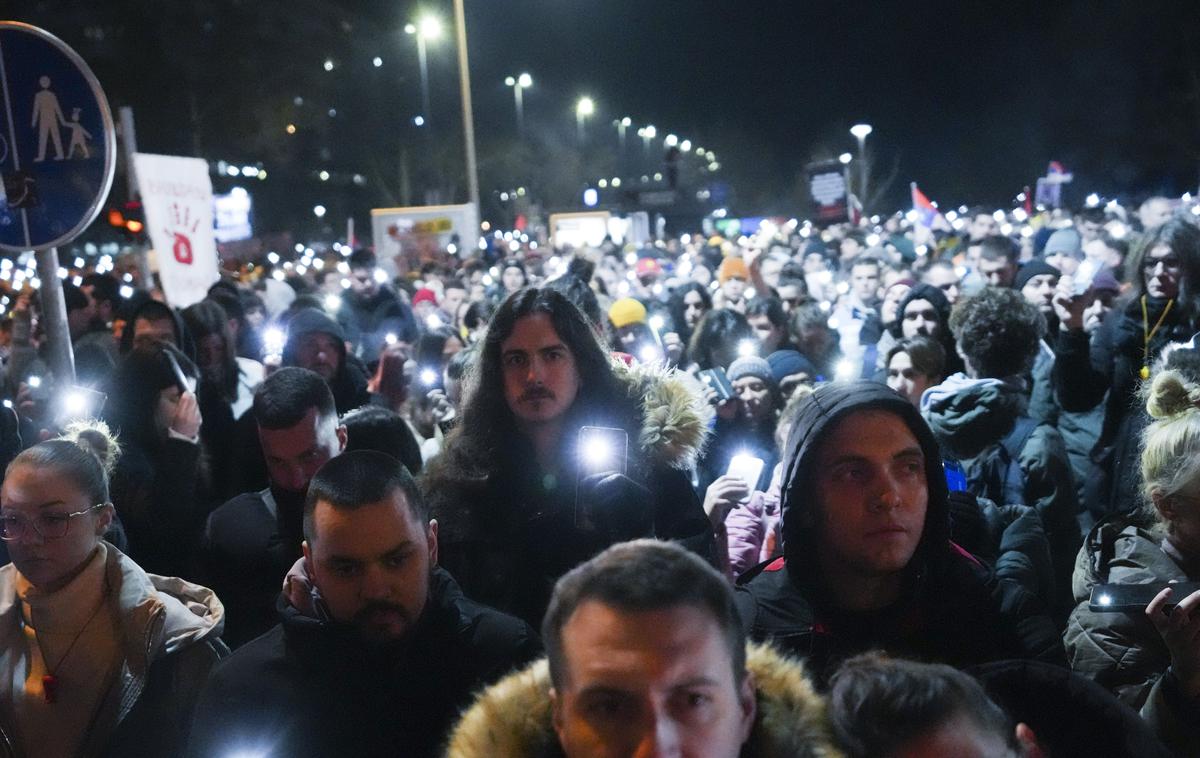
[424, 294]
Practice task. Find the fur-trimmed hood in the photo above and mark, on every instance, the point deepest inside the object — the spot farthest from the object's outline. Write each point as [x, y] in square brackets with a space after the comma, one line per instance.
[512, 719]
[675, 416]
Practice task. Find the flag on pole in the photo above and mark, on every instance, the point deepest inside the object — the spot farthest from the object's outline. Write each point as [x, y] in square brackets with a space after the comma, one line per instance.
[926, 213]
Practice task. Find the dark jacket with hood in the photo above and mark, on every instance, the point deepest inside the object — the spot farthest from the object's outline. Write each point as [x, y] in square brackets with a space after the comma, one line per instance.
[1110, 362]
[312, 688]
[349, 384]
[371, 319]
[953, 608]
[512, 718]
[970, 419]
[183, 338]
[509, 537]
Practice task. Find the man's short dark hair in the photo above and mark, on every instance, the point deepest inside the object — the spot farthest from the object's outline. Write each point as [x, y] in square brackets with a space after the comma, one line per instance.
[284, 398]
[373, 427]
[578, 292]
[771, 307]
[998, 331]
[878, 704]
[644, 575]
[454, 284]
[73, 297]
[351, 480]
[361, 258]
[867, 259]
[105, 288]
[997, 247]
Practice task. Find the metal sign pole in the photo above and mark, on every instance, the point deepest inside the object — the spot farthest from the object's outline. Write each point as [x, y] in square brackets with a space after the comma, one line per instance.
[54, 318]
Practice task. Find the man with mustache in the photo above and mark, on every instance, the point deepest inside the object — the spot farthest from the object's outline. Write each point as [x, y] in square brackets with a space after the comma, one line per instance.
[379, 653]
[517, 488]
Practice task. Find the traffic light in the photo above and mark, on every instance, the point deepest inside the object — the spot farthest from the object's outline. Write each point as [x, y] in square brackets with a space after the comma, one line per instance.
[128, 219]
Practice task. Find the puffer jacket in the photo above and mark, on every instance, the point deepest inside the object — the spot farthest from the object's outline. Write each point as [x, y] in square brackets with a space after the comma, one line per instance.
[953, 609]
[970, 418]
[512, 718]
[170, 630]
[751, 532]
[1010, 538]
[1123, 651]
[508, 538]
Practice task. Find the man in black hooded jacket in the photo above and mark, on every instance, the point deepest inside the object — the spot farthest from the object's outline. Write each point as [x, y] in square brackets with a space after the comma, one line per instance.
[868, 563]
[316, 342]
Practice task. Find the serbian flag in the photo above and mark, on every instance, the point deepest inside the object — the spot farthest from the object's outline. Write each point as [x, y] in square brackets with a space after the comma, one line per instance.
[927, 212]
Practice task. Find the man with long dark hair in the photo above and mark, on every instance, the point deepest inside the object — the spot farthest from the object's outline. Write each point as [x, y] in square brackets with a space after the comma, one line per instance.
[512, 488]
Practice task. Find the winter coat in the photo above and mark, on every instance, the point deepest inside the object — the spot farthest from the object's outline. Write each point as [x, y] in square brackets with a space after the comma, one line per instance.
[512, 718]
[970, 419]
[953, 608]
[508, 538]
[1009, 538]
[170, 632]
[1110, 361]
[249, 544]
[370, 320]
[312, 688]
[751, 531]
[1123, 651]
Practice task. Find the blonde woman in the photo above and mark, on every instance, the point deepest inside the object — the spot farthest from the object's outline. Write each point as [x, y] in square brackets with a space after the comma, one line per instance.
[97, 657]
[1151, 660]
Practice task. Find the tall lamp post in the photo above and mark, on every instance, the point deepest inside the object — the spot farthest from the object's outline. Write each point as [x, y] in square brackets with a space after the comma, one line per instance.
[427, 28]
[584, 108]
[861, 132]
[519, 85]
[622, 125]
[468, 117]
[647, 133]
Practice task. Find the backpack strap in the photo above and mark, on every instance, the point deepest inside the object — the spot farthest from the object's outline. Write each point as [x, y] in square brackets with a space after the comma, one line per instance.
[1014, 442]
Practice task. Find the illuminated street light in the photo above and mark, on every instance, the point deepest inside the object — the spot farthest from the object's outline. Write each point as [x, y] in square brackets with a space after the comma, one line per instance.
[519, 85]
[845, 158]
[426, 29]
[622, 124]
[671, 141]
[648, 133]
[861, 132]
[583, 109]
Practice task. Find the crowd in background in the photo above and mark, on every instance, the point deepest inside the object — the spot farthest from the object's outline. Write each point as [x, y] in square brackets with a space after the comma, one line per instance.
[1040, 369]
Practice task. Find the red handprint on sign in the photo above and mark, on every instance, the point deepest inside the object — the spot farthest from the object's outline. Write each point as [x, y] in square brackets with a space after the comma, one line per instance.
[182, 248]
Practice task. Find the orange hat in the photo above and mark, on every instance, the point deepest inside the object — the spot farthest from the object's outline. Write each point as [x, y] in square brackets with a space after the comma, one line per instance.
[731, 267]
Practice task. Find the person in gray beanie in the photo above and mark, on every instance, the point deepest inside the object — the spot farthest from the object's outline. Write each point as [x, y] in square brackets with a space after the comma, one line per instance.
[747, 425]
[1064, 250]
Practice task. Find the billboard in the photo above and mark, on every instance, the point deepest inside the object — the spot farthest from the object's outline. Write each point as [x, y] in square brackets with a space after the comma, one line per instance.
[411, 236]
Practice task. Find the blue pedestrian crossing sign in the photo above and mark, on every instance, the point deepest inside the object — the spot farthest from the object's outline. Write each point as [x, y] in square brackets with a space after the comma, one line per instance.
[57, 146]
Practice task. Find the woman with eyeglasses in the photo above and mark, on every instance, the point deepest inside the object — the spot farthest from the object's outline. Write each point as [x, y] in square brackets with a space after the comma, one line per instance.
[1162, 306]
[97, 657]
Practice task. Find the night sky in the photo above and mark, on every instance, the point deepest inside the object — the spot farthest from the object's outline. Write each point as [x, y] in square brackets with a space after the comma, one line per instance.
[969, 101]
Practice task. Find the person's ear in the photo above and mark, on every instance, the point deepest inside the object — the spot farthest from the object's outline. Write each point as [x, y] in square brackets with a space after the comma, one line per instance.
[1028, 740]
[748, 701]
[1163, 504]
[343, 437]
[556, 714]
[105, 520]
[431, 535]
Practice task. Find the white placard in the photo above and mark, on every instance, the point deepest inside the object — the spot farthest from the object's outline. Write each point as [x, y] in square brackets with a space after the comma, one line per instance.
[178, 203]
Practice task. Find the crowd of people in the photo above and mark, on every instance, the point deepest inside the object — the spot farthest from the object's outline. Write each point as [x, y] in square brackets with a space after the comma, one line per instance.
[872, 489]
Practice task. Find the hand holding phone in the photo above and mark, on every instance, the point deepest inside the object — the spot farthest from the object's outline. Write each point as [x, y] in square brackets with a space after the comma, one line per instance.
[748, 469]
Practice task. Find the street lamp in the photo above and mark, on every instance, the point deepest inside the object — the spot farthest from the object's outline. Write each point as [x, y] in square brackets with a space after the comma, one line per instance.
[622, 124]
[426, 29]
[845, 158]
[647, 133]
[584, 108]
[519, 85]
[861, 132]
